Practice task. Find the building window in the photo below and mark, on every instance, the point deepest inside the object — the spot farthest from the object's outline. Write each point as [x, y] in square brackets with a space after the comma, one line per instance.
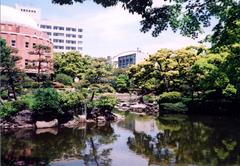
[79, 36]
[80, 42]
[70, 48]
[58, 34]
[58, 47]
[34, 45]
[58, 40]
[70, 41]
[79, 48]
[79, 30]
[68, 29]
[26, 62]
[71, 35]
[74, 29]
[26, 44]
[58, 28]
[13, 43]
[46, 26]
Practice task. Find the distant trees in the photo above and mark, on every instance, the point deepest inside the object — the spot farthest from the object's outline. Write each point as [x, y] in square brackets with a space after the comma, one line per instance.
[93, 73]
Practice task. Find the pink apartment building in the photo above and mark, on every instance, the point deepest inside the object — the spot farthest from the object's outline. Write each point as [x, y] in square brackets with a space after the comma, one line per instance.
[21, 32]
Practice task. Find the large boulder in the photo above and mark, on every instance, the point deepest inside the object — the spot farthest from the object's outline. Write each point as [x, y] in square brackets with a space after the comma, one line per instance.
[44, 124]
[23, 118]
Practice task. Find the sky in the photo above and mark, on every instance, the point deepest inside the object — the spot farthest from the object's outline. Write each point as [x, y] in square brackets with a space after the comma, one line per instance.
[108, 31]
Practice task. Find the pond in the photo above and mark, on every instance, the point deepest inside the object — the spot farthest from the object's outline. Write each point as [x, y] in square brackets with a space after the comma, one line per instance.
[137, 141]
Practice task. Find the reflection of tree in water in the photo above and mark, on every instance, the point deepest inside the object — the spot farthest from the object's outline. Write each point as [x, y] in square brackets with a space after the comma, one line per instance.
[189, 142]
[94, 154]
[28, 148]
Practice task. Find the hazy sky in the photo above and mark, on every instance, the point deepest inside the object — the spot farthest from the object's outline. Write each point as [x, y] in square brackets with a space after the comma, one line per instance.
[107, 31]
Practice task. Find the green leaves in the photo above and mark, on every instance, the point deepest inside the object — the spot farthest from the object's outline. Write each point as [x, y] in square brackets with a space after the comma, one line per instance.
[47, 102]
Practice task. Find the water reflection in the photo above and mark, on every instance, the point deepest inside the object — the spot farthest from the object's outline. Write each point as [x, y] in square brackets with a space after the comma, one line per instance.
[171, 140]
[184, 140]
[25, 147]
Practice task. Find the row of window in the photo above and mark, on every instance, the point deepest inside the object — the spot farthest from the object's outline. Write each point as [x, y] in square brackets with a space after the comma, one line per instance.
[60, 28]
[27, 10]
[13, 44]
[35, 63]
[67, 41]
[62, 34]
[70, 41]
[124, 61]
[58, 40]
[46, 26]
[67, 47]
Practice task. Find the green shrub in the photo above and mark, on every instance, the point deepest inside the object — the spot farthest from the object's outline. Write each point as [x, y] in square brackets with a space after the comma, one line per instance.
[230, 91]
[4, 94]
[19, 105]
[170, 97]
[64, 79]
[149, 98]
[28, 100]
[30, 83]
[102, 88]
[105, 102]
[7, 109]
[71, 100]
[121, 83]
[47, 102]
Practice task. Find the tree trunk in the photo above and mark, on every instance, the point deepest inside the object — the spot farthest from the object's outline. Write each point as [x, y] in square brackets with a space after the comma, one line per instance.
[39, 67]
[11, 83]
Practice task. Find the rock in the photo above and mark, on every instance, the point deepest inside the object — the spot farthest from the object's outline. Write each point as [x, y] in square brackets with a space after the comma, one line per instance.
[118, 117]
[23, 117]
[26, 126]
[138, 106]
[90, 121]
[77, 121]
[81, 118]
[44, 124]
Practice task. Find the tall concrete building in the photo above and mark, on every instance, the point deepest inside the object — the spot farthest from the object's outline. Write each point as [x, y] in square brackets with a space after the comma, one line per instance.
[65, 37]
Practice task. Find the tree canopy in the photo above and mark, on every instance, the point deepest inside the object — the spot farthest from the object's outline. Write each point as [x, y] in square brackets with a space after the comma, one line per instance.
[187, 16]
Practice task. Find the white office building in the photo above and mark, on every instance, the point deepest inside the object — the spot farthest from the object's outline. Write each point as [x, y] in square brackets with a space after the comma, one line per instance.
[65, 37]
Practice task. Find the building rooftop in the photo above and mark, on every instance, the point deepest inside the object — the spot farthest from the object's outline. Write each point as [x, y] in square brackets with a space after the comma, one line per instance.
[12, 15]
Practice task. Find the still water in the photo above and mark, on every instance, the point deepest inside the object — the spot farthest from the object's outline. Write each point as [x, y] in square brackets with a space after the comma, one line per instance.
[136, 141]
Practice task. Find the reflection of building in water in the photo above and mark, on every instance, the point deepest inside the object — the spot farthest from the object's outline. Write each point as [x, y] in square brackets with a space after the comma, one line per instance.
[148, 127]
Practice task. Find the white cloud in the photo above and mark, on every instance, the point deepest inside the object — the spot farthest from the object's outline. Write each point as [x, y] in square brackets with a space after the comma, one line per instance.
[111, 24]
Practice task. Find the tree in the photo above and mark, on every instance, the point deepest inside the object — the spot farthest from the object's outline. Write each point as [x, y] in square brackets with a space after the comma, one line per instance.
[11, 76]
[166, 70]
[42, 52]
[72, 64]
[121, 83]
[187, 16]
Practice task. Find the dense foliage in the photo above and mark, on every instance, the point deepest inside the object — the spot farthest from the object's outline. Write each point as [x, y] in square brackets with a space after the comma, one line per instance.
[196, 74]
[186, 16]
[47, 103]
[64, 79]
